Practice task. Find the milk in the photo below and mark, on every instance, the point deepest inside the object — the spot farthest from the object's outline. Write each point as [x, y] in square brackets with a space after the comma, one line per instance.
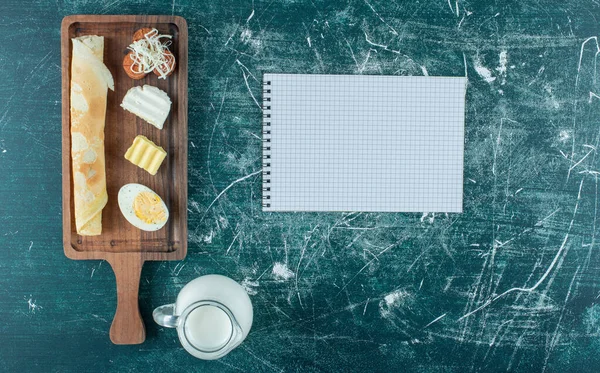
[208, 328]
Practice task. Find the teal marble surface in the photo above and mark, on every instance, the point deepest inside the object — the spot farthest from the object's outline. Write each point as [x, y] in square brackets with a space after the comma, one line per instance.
[512, 284]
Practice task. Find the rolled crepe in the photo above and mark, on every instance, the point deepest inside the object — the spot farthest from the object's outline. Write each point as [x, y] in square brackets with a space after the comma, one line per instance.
[90, 80]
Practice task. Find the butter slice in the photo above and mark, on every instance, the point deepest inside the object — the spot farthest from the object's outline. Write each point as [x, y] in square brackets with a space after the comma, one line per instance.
[145, 154]
[149, 103]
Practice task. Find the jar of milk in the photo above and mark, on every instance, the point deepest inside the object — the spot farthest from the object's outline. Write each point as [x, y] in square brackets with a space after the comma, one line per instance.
[213, 315]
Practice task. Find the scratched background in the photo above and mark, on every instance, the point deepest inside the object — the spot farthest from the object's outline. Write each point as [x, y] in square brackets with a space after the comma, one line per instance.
[510, 285]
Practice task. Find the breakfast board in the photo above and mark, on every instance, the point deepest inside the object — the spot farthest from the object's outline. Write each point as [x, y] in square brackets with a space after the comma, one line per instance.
[120, 243]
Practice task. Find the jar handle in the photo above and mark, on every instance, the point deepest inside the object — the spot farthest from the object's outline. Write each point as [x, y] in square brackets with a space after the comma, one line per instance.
[165, 316]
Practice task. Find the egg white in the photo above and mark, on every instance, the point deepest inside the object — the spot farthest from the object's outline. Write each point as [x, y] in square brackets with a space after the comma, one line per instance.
[127, 194]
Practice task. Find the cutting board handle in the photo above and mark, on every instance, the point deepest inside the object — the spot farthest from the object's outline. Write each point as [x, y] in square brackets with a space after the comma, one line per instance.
[127, 327]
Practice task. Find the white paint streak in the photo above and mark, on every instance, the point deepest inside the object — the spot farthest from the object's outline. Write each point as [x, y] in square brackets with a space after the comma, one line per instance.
[232, 241]
[394, 297]
[501, 69]
[282, 272]
[483, 71]
[209, 237]
[544, 276]
[223, 222]
[250, 17]
[393, 300]
[306, 241]
[250, 286]
[249, 90]
[435, 320]
[32, 306]
[385, 47]
[430, 216]
[229, 186]
[245, 36]
[364, 64]
[581, 160]
[556, 334]
[595, 38]
[461, 21]
[175, 272]
[454, 11]
[381, 19]
[366, 265]
[195, 205]
[247, 70]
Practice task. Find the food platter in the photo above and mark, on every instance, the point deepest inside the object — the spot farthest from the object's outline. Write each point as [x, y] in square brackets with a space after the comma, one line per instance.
[123, 245]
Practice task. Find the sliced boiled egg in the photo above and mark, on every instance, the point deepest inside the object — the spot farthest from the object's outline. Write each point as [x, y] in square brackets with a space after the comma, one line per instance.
[143, 208]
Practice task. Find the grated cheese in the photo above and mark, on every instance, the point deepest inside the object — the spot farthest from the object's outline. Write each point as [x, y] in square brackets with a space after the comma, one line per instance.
[150, 53]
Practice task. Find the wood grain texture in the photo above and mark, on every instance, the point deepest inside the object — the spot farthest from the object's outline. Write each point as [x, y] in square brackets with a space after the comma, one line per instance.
[124, 246]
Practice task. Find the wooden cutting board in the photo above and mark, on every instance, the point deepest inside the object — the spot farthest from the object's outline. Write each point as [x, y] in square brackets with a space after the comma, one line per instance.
[121, 244]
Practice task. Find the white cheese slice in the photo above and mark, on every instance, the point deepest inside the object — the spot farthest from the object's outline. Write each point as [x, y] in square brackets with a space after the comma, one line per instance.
[149, 103]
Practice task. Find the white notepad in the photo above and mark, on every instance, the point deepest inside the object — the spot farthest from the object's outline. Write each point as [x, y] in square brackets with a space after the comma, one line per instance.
[363, 143]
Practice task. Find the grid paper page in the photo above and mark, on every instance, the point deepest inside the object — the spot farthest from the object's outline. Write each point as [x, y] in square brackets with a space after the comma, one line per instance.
[363, 143]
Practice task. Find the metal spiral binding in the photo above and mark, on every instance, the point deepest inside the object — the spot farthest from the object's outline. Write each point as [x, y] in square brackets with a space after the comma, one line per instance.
[266, 171]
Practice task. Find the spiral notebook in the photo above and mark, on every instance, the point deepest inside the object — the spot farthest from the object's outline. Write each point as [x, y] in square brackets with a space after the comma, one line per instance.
[363, 143]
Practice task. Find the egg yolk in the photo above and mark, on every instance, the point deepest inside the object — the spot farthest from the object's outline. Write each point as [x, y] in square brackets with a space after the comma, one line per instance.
[148, 207]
